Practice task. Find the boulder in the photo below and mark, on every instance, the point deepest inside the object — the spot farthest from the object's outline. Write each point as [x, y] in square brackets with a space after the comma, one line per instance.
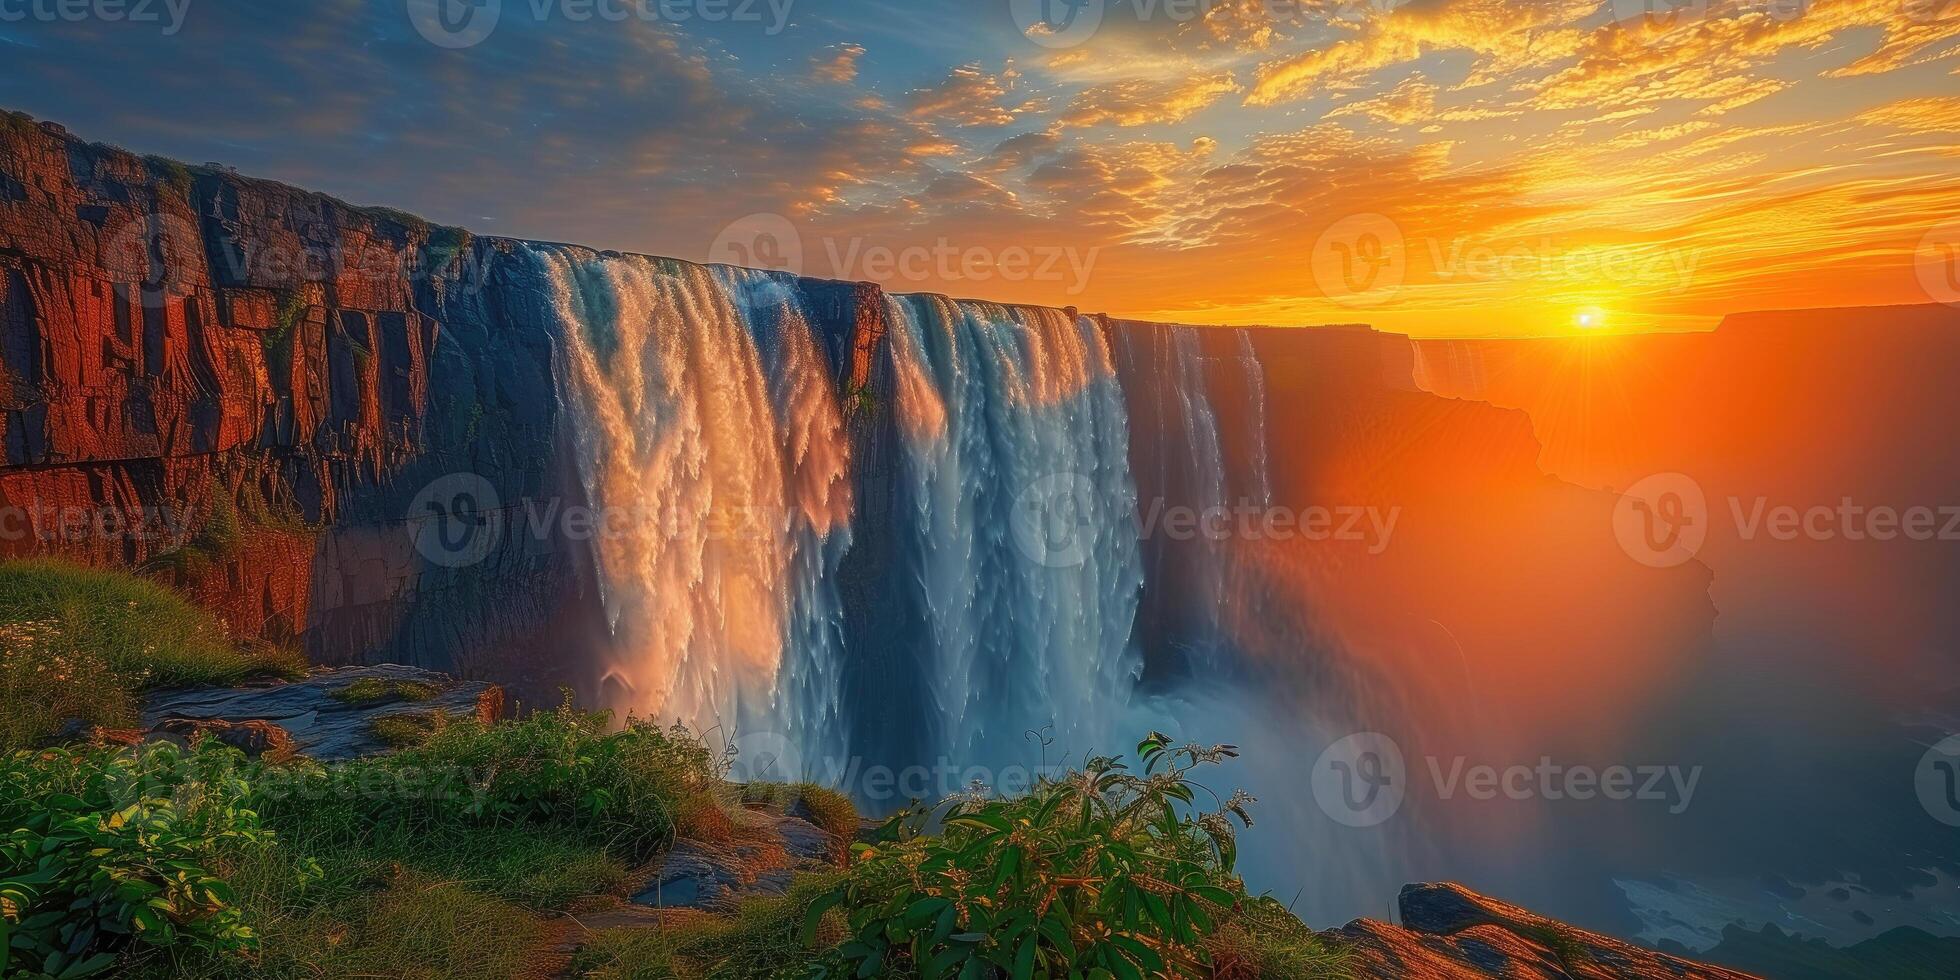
[763, 854]
[258, 739]
[1449, 931]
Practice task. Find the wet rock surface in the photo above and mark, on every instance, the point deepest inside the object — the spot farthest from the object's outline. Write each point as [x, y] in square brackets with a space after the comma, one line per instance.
[317, 716]
[767, 852]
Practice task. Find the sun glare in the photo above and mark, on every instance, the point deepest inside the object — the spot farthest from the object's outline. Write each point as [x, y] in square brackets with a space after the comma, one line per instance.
[1590, 318]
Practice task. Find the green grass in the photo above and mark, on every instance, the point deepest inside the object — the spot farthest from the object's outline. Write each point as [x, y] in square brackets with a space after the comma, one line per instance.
[368, 690]
[435, 930]
[411, 927]
[761, 941]
[79, 643]
[1266, 942]
[403, 731]
[825, 807]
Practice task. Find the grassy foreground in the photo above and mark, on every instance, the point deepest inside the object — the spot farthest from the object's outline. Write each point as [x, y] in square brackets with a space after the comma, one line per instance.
[472, 851]
[79, 644]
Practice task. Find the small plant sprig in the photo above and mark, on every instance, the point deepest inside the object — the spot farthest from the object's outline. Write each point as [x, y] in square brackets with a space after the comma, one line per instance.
[1104, 873]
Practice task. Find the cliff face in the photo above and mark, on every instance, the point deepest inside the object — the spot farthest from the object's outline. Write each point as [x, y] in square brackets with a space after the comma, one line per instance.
[241, 387]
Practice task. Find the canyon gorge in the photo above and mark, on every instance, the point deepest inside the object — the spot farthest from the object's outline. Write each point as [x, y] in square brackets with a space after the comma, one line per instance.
[854, 529]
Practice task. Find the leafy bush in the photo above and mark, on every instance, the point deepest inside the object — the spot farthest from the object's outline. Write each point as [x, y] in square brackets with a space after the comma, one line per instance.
[1104, 873]
[104, 848]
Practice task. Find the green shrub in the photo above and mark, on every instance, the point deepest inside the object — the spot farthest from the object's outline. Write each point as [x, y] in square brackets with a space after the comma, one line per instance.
[627, 791]
[1101, 873]
[107, 848]
[380, 848]
[362, 691]
[277, 342]
[77, 643]
[170, 173]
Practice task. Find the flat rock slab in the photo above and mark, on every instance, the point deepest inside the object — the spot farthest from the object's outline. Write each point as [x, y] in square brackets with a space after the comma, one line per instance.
[768, 852]
[323, 727]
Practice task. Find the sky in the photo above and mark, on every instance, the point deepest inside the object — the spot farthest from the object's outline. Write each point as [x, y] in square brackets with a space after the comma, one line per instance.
[1442, 168]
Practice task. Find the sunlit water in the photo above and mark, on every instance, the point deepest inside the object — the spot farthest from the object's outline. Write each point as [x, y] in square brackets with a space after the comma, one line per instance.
[709, 435]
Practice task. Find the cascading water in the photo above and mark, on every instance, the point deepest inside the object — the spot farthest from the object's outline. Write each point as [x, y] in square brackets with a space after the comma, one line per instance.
[976, 605]
[1006, 585]
[709, 440]
[1020, 537]
[1181, 421]
[1259, 489]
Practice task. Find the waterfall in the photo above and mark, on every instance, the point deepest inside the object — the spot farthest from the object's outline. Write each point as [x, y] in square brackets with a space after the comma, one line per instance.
[1259, 490]
[995, 616]
[710, 444]
[1020, 535]
[1197, 403]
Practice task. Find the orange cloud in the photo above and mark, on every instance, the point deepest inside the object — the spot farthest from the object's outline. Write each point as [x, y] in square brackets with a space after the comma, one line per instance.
[837, 64]
[968, 96]
[1140, 102]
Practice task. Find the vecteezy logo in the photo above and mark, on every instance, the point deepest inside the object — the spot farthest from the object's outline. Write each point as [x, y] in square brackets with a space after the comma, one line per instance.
[1938, 263]
[1058, 23]
[1361, 780]
[1661, 15]
[1781, 11]
[760, 241]
[1662, 521]
[1342, 11]
[1938, 781]
[1930, 11]
[155, 251]
[1360, 260]
[456, 521]
[764, 757]
[1051, 521]
[455, 23]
